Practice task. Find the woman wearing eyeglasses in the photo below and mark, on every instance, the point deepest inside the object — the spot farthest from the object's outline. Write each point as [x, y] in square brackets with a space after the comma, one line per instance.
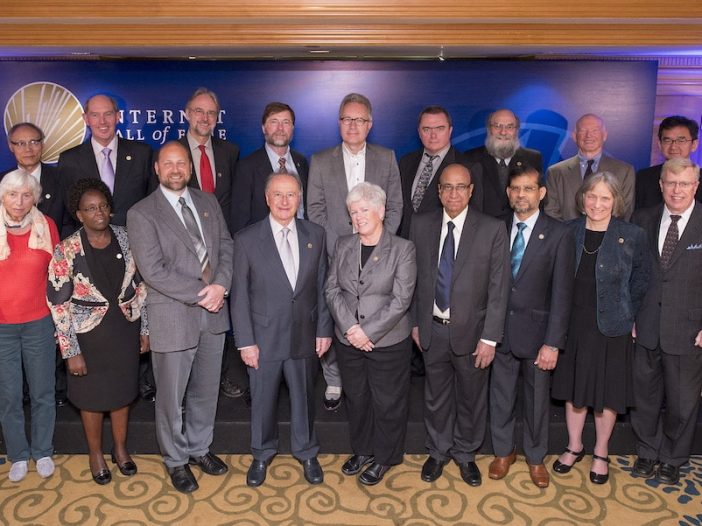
[96, 298]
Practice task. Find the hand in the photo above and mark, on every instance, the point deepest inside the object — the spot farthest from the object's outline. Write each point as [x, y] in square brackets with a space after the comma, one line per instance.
[212, 297]
[484, 355]
[415, 338]
[547, 358]
[698, 339]
[249, 355]
[76, 365]
[322, 346]
[358, 338]
[143, 343]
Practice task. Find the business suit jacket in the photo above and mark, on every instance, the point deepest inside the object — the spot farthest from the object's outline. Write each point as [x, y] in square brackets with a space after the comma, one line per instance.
[168, 262]
[265, 309]
[409, 164]
[542, 292]
[495, 202]
[134, 173]
[248, 191]
[648, 188]
[671, 313]
[480, 279]
[378, 298]
[563, 180]
[327, 190]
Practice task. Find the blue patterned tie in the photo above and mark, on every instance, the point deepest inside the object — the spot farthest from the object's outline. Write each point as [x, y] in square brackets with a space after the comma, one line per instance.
[442, 295]
[518, 249]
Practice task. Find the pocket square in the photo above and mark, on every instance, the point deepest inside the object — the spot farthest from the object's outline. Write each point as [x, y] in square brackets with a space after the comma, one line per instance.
[697, 246]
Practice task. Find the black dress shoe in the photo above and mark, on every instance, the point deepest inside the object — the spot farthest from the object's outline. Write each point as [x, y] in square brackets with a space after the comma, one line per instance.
[331, 404]
[183, 479]
[127, 468]
[432, 469]
[313, 471]
[256, 473]
[147, 392]
[210, 464]
[373, 474]
[102, 477]
[644, 467]
[61, 400]
[599, 478]
[470, 474]
[355, 463]
[560, 467]
[230, 389]
[668, 474]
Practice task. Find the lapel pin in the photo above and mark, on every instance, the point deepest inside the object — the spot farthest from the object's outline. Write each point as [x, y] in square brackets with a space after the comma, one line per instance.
[219, 174]
[129, 157]
[541, 236]
[375, 258]
[206, 214]
[119, 256]
[519, 163]
[309, 245]
[621, 240]
[47, 196]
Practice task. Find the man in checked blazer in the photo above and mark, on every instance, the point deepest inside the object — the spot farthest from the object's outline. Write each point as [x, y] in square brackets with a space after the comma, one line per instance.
[186, 290]
[668, 356]
[333, 172]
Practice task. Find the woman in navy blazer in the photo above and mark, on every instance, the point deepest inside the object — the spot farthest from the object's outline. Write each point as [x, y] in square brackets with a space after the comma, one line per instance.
[613, 267]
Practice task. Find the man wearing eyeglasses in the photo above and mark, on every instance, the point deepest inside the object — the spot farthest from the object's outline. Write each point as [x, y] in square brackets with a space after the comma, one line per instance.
[335, 171]
[678, 136]
[501, 152]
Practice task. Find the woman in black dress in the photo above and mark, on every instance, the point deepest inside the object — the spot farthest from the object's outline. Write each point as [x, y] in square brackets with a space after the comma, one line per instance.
[612, 274]
[96, 299]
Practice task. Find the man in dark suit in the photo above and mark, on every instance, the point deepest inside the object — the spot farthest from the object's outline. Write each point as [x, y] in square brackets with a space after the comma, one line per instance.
[459, 315]
[543, 268]
[281, 323]
[248, 193]
[333, 172]
[501, 152]
[678, 136]
[563, 179]
[182, 247]
[214, 160]
[668, 359]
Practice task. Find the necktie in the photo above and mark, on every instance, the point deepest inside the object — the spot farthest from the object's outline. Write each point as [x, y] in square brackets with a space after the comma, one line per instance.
[194, 231]
[442, 294]
[108, 172]
[670, 241]
[502, 172]
[518, 248]
[281, 166]
[206, 177]
[286, 256]
[588, 170]
[423, 181]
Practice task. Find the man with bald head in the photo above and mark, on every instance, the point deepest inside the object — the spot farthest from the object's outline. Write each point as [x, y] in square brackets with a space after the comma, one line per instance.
[502, 151]
[564, 178]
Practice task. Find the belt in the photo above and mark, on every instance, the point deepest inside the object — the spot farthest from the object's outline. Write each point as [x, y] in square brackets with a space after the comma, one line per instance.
[442, 321]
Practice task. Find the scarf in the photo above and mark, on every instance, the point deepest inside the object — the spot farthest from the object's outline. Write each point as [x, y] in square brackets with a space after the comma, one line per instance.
[39, 236]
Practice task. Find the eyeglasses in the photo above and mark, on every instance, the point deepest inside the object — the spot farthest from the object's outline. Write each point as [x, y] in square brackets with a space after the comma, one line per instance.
[426, 130]
[502, 127]
[275, 123]
[103, 207]
[460, 188]
[680, 141]
[287, 195]
[683, 185]
[211, 114]
[358, 121]
[32, 143]
[525, 189]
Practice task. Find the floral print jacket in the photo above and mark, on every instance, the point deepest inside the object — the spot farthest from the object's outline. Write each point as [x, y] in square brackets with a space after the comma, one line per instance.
[76, 305]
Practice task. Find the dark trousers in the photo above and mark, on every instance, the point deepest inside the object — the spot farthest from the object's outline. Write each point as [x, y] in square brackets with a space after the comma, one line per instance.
[377, 384]
[665, 436]
[455, 400]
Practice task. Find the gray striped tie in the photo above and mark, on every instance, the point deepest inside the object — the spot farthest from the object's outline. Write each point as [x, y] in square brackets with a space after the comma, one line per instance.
[194, 231]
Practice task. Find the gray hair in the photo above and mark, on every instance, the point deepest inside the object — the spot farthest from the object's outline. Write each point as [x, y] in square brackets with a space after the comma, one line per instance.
[612, 183]
[203, 91]
[368, 192]
[273, 175]
[18, 179]
[677, 165]
[359, 99]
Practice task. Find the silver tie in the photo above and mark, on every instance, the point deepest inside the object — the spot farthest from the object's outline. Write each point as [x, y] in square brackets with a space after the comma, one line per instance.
[108, 172]
[286, 255]
[194, 231]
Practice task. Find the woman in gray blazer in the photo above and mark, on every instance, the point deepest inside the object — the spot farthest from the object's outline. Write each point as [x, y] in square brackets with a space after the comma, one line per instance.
[369, 290]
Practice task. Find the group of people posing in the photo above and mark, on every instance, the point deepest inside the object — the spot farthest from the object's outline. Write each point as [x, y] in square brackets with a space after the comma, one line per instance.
[584, 285]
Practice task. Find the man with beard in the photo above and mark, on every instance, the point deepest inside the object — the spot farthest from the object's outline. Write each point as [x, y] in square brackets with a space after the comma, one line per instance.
[564, 179]
[501, 152]
[275, 156]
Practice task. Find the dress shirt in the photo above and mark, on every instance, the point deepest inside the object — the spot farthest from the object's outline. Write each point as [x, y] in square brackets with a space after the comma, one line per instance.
[665, 224]
[273, 158]
[507, 160]
[583, 164]
[99, 157]
[526, 233]
[197, 154]
[437, 162]
[292, 238]
[172, 198]
[354, 165]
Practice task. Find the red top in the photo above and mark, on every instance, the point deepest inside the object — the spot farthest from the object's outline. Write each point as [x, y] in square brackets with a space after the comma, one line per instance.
[23, 278]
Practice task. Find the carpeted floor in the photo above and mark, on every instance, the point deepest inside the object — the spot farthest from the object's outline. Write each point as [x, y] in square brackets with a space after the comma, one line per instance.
[71, 498]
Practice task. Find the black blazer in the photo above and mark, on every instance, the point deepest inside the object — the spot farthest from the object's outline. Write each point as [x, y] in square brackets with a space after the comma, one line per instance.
[648, 190]
[671, 313]
[541, 295]
[226, 155]
[134, 174]
[495, 202]
[409, 164]
[248, 192]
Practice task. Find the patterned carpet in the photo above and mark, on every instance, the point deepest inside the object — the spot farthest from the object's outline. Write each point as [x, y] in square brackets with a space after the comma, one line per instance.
[71, 498]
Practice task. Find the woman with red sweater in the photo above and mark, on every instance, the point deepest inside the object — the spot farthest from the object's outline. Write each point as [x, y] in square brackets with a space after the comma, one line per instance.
[27, 239]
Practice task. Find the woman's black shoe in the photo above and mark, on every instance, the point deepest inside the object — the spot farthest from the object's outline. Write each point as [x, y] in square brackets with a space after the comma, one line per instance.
[102, 477]
[127, 468]
[560, 467]
[599, 478]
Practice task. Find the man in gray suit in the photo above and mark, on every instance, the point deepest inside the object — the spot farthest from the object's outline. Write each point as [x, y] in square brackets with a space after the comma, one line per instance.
[182, 247]
[281, 323]
[333, 172]
[459, 316]
[564, 178]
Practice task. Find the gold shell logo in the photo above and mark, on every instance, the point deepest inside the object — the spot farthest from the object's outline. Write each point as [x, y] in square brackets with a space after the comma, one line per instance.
[54, 109]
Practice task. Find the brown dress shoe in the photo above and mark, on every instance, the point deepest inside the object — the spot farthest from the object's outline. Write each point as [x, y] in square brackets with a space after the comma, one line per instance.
[539, 475]
[499, 467]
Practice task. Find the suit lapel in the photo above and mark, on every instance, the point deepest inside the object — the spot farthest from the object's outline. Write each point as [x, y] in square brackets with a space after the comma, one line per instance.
[268, 247]
[690, 235]
[171, 219]
[88, 161]
[464, 244]
[124, 162]
[379, 254]
[538, 237]
[220, 166]
[304, 245]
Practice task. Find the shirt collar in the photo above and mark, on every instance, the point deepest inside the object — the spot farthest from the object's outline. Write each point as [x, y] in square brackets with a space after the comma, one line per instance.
[457, 221]
[277, 227]
[529, 221]
[195, 144]
[98, 148]
[361, 152]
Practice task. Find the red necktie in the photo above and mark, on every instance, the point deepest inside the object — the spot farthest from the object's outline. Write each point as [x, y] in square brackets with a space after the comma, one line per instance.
[206, 178]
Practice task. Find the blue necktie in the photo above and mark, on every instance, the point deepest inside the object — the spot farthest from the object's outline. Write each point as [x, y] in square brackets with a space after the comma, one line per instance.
[518, 249]
[443, 278]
